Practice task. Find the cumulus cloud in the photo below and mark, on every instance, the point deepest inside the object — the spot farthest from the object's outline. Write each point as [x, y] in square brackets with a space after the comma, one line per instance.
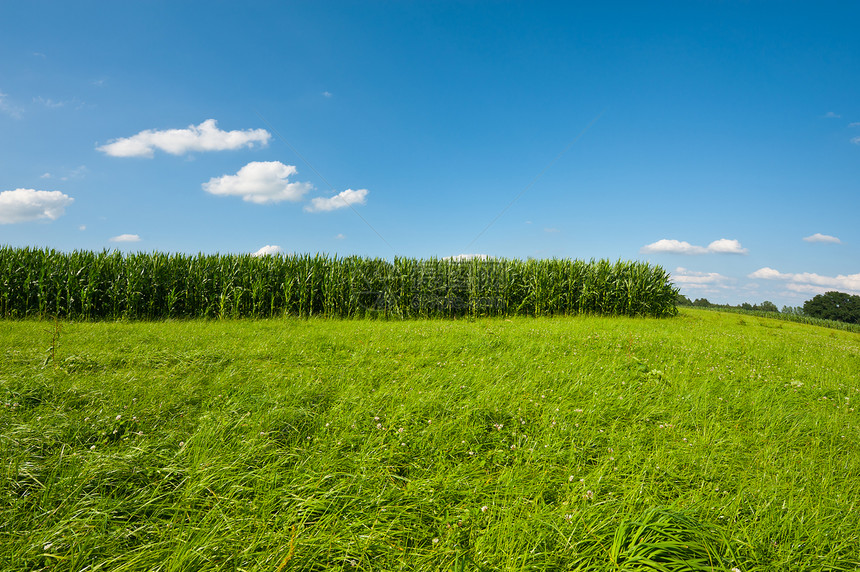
[727, 246]
[811, 282]
[818, 237]
[831, 115]
[672, 246]
[126, 238]
[339, 201]
[204, 137]
[693, 279]
[260, 182]
[23, 205]
[855, 140]
[268, 250]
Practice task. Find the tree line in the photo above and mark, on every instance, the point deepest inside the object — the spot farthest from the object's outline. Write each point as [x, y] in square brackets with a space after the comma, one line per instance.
[837, 306]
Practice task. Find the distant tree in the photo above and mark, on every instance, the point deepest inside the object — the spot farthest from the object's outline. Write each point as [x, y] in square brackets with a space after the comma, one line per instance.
[702, 303]
[682, 300]
[768, 306]
[747, 306]
[834, 306]
[796, 310]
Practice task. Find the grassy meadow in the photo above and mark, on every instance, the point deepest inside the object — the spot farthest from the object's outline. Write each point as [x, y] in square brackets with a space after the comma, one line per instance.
[707, 441]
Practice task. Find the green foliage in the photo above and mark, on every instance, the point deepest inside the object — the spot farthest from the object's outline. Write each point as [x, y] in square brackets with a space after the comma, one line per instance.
[837, 306]
[683, 300]
[109, 285]
[539, 444]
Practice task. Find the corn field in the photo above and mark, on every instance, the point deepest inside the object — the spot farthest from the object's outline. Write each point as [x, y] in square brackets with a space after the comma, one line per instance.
[85, 285]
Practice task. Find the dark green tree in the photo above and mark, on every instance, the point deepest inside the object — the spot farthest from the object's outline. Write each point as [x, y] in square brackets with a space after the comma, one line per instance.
[834, 306]
[702, 303]
[682, 300]
[768, 306]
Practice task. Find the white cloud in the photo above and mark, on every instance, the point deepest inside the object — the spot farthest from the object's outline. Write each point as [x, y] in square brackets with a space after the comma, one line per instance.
[831, 115]
[126, 238]
[82, 227]
[855, 140]
[339, 201]
[340, 236]
[22, 205]
[326, 94]
[685, 276]
[768, 274]
[692, 279]
[45, 176]
[260, 182]
[811, 282]
[268, 250]
[727, 246]
[203, 137]
[818, 237]
[672, 246]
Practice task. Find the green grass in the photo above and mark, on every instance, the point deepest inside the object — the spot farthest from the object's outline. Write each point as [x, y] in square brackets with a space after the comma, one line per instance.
[706, 441]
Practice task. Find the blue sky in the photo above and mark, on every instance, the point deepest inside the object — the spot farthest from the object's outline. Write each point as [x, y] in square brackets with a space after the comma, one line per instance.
[720, 140]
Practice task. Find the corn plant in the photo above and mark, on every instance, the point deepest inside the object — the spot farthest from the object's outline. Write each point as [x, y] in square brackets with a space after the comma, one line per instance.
[108, 285]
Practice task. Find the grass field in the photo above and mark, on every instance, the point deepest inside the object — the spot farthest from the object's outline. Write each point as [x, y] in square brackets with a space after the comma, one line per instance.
[706, 441]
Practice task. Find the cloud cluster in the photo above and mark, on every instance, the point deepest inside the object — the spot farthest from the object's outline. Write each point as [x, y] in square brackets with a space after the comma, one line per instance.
[126, 238]
[339, 201]
[818, 237]
[268, 250]
[700, 280]
[672, 246]
[811, 282]
[204, 137]
[260, 182]
[22, 205]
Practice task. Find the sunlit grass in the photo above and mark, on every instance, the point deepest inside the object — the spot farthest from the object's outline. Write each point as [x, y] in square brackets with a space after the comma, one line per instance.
[526, 444]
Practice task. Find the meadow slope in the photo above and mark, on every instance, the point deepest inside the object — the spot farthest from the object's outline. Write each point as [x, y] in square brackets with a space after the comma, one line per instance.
[704, 441]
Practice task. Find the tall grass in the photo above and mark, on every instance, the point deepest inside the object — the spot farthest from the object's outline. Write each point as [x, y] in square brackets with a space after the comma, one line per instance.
[86, 285]
[702, 443]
